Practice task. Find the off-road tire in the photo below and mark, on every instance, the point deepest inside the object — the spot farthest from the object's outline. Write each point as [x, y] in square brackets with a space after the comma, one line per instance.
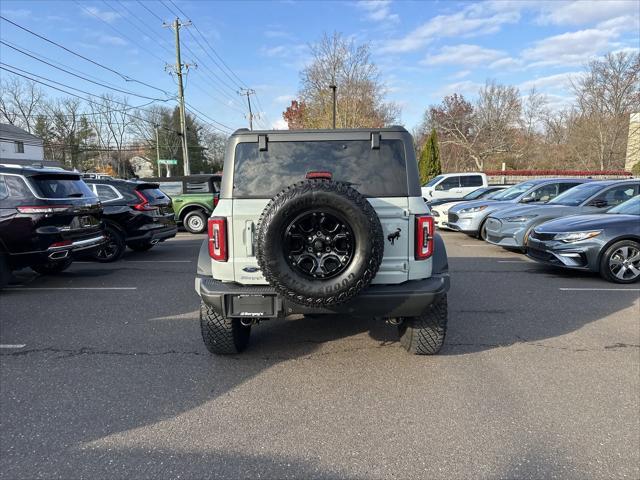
[605, 270]
[336, 197]
[140, 246]
[5, 271]
[222, 335]
[118, 245]
[195, 221]
[424, 335]
[52, 267]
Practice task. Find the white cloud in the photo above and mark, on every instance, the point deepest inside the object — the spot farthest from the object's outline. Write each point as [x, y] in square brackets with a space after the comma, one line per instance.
[571, 48]
[378, 10]
[112, 40]
[464, 54]
[560, 81]
[284, 98]
[18, 13]
[473, 20]
[467, 88]
[104, 15]
[582, 12]
[460, 74]
[280, 124]
[507, 63]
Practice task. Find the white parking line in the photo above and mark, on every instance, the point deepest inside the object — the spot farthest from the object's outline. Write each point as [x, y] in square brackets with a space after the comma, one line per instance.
[22, 345]
[147, 261]
[600, 289]
[512, 261]
[72, 288]
[475, 245]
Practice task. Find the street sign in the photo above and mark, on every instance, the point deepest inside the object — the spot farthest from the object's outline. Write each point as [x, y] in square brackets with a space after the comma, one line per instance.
[168, 162]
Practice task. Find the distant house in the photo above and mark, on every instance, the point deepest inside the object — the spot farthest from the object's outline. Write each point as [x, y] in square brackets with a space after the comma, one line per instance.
[17, 146]
[141, 166]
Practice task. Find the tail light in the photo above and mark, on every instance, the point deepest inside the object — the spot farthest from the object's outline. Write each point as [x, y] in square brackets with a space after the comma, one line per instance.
[325, 175]
[43, 208]
[424, 237]
[216, 200]
[64, 243]
[217, 228]
[143, 206]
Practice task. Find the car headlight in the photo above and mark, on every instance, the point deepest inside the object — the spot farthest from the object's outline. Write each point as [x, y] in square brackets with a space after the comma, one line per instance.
[473, 209]
[520, 218]
[571, 237]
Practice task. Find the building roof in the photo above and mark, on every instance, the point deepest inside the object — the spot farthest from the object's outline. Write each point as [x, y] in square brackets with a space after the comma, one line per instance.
[13, 133]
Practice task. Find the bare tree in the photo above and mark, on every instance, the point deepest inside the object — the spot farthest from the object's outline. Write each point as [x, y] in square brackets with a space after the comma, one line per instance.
[112, 123]
[606, 95]
[20, 101]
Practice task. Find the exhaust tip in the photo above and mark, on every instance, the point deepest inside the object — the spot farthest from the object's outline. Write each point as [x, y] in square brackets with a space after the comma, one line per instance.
[59, 255]
[153, 242]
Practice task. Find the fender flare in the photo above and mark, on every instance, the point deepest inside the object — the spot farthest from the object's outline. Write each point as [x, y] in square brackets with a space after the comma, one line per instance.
[440, 263]
[204, 260]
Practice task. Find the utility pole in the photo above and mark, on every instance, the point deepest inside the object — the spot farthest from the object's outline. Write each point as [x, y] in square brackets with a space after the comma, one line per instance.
[158, 150]
[333, 88]
[248, 92]
[178, 70]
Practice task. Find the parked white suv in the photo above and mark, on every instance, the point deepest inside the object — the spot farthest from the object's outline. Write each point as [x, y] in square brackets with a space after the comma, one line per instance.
[453, 185]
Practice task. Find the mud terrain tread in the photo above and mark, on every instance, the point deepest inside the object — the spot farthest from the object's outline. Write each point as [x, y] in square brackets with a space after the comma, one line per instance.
[303, 187]
[425, 334]
[222, 335]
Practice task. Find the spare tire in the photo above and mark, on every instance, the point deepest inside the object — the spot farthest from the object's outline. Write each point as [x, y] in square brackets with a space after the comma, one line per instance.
[319, 243]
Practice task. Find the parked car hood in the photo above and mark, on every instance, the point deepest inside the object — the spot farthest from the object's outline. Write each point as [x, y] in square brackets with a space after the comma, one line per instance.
[578, 223]
[541, 209]
[477, 203]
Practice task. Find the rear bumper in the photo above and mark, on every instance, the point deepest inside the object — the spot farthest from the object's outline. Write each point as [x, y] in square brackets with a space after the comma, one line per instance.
[158, 234]
[82, 246]
[403, 300]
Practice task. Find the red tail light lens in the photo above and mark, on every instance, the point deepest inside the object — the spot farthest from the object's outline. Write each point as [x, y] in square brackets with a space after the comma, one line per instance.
[325, 175]
[424, 237]
[64, 243]
[143, 206]
[43, 208]
[217, 228]
[216, 200]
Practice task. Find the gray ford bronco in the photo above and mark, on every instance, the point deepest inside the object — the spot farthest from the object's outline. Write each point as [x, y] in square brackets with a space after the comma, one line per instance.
[322, 222]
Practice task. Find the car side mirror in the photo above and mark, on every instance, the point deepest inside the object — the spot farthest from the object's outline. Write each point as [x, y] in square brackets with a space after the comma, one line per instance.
[528, 199]
[599, 203]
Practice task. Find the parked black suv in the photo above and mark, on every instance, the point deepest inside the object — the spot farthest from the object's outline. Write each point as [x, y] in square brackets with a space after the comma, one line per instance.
[46, 217]
[136, 215]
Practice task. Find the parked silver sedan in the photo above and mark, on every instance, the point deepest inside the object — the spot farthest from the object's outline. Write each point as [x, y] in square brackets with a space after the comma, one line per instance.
[470, 217]
[510, 229]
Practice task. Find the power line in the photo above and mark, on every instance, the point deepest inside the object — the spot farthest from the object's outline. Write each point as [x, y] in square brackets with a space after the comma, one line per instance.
[149, 10]
[132, 14]
[126, 78]
[83, 77]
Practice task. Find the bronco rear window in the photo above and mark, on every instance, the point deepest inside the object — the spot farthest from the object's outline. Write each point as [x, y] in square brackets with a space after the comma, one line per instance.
[373, 172]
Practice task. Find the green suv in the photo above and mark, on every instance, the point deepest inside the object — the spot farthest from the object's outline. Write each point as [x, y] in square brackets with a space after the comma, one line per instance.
[194, 197]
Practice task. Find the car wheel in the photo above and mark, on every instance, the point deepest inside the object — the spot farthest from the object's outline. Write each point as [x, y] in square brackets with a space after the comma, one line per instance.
[114, 247]
[319, 243]
[140, 246]
[482, 233]
[195, 221]
[620, 263]
[5, 271]
[222, 335]
[52, 267]
[424, 335]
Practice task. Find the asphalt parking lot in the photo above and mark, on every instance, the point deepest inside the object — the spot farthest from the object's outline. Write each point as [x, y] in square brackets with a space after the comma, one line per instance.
[104, 375]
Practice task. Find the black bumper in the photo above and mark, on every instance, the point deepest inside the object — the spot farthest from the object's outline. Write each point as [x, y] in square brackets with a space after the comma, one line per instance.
[403, 300]
[79, 247]
[156, 234]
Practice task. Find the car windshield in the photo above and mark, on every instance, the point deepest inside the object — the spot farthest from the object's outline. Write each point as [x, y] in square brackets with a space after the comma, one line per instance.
[433, 181]
[512, 192]
[479, 193]
[577, 195]
[61, 186]
[630, 207]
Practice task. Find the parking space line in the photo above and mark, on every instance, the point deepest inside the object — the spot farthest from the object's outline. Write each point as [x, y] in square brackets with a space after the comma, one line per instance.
[72, 288]
[475, 245]
[146, 261]
[22, 345]
[600, 289]
[512, 261]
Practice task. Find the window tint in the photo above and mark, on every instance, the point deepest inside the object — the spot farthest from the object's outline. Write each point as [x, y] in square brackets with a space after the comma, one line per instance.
[17, 188]
[630, 207]
[171, 188]
[195, 186]
[373, 172]
[545, 193]
[448, 183]
[433, 181]
[106, 193]
[617, 195]
[513, 192]
[61, 186]
[575, 196]
[4, 191]
[471, 181]
[152, 194]
[216, 186]
[566, 186]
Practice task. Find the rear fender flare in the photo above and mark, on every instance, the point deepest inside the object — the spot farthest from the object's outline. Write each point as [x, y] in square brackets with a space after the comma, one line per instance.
[440, 262]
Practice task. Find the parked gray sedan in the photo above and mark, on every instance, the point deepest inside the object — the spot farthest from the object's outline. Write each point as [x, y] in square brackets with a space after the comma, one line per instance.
[469, 217]
[608, 243]
[510, 228]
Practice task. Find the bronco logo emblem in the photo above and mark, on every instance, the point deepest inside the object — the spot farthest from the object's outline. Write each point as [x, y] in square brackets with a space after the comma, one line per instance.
[392, 237]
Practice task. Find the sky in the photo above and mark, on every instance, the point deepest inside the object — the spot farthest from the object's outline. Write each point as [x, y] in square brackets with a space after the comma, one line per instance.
[424, 50]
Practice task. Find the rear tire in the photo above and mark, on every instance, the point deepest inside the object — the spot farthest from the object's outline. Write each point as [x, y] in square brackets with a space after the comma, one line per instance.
[140, 246]
[5, 271]
[195, 221]
[424, 334]
[222, 335]
[52, 267]
[113, 249]
[482, 233]
[612, 263]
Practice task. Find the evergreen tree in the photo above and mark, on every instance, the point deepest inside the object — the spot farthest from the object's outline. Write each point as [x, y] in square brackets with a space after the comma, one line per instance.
[429, 163]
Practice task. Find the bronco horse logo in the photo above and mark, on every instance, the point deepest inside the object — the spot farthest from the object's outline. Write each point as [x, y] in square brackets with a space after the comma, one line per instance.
[392, 237]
